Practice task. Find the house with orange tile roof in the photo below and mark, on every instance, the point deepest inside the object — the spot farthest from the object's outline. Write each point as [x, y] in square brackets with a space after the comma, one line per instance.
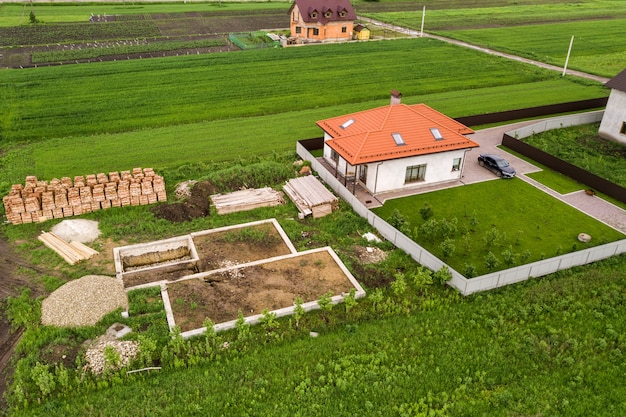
[321, 20]
[613, 125]
[396, 146]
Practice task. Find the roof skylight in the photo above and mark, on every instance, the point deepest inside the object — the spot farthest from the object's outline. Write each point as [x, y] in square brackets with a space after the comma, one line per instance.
[347, 123]
[436, 133]
[398, 139]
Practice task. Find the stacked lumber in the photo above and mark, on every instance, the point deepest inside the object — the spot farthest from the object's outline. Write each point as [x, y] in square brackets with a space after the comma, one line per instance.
[247, 199]
[310, 196]
[71, 252]
[38, 201]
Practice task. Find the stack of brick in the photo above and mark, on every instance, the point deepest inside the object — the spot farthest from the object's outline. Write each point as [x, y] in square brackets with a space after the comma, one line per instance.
[38, 201]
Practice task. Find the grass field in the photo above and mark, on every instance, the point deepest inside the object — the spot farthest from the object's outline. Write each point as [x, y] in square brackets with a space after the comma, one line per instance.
[537, 31]
[552, 346]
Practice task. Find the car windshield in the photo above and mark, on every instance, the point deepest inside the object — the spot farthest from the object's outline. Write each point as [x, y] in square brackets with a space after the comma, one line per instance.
[502, 163]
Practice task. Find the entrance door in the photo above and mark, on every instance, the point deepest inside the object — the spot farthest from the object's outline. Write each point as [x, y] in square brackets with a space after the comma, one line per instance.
[363, 173]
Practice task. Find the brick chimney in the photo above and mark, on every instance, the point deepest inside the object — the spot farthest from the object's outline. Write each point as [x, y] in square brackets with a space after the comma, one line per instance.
[396, 97]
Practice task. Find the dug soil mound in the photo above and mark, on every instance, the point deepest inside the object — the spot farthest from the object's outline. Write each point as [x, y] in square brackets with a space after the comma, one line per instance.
[194, 206]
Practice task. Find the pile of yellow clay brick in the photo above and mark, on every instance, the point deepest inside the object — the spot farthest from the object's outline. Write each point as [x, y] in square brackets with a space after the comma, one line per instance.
[38, 201]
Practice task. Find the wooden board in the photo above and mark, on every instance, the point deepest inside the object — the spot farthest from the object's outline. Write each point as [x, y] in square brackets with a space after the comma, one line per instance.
[248, 199]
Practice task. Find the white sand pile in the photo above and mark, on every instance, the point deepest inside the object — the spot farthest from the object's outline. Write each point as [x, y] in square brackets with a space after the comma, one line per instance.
[79, 230]
[83, 302]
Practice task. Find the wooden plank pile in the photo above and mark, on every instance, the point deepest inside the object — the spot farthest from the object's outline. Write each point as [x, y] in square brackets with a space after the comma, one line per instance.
[311, 196]
[71, 252]
[38, 201]
[247, 199]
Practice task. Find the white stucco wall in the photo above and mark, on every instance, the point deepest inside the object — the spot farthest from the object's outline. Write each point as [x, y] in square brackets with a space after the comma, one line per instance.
[614, 117]
[389, 175]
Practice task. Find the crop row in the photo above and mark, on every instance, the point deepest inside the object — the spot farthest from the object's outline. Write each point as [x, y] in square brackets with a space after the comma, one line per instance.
[89, 53]
[88, 99]
[75, 32]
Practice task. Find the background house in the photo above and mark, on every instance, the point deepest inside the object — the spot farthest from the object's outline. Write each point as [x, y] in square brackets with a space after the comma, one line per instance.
[613, 125]
[396, 146]
[321, 20]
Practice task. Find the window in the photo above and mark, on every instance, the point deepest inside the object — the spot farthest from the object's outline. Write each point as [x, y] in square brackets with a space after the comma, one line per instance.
[328, 14]
[623, 129]
[316, 32]
[347, 123]
[456, 164]
[415, 173]
[342, 13]
[334, 155]
[314, 15]
[344, 29]
[436, 133]
[298, 29]
[398, 139]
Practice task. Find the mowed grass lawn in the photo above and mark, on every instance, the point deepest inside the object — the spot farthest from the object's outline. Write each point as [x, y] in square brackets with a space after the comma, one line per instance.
[496, 216]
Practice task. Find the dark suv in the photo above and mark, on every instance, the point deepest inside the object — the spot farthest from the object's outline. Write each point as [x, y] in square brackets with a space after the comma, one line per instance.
[496, 164]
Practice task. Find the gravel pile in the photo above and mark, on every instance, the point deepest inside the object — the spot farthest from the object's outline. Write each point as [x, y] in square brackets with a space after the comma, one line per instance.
[83, 302]
[97, 358]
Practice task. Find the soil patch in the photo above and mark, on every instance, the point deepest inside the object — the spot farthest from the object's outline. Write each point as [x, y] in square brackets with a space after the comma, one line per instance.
[271, 286]
[197, 205]
[237, 246]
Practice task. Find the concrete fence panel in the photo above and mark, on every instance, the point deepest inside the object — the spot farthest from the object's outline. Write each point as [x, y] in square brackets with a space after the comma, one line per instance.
[477, 284]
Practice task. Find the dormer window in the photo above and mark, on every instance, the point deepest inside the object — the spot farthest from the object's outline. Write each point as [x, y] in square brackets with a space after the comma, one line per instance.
[314, 15]
[328, 14]
[341, 12]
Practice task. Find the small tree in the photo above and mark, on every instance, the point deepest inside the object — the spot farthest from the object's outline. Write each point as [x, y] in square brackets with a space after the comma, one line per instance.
[508, 256]
[269, 321]
[298, 311]
[326, 303]
[243, 328]
[426, 212]
[491, 261]
[43, 378]
[447, 247]
[349, 300]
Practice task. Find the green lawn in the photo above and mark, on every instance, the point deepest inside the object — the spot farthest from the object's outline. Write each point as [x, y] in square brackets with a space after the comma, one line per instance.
[509, 218]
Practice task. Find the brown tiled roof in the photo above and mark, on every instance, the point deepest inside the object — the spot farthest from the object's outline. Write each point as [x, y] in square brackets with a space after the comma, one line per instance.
[368, 137]
[618, 82]
[335, 7]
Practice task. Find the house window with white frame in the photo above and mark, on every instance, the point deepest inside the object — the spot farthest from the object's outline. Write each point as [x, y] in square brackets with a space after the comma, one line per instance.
[415, 173]
[334, 156]
[456, 164]
[298, 29]
[623, 129]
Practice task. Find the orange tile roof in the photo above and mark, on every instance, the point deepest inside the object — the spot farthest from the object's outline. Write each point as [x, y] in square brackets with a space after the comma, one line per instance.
[369, 137]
